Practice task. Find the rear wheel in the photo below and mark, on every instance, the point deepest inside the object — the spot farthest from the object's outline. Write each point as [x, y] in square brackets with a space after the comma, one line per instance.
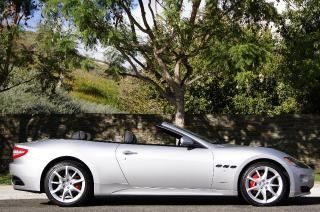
[263, 184]
[68, 184]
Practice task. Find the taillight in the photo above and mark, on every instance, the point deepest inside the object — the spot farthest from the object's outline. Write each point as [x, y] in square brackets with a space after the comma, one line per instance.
[18, 152]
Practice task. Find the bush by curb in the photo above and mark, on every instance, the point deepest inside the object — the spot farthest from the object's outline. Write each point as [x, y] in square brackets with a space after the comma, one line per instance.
[5, 179]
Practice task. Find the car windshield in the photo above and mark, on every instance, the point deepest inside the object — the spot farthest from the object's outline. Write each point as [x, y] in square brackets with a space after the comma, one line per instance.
[198, 136]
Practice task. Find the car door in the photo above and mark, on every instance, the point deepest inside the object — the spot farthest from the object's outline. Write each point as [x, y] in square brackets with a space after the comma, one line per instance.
[159, 166]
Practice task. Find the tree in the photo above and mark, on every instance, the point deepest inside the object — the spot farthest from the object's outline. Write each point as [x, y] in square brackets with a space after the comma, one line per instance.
[12, 54]
[158, 47]
[55, 56]
[157, 50]
[243, 63]
[301, 51]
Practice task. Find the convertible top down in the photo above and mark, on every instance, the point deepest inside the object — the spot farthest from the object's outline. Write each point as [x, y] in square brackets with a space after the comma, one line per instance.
[71, 171]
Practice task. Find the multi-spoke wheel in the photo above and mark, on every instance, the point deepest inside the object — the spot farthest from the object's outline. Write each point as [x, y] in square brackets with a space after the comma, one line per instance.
[263, 184]
[68, 184]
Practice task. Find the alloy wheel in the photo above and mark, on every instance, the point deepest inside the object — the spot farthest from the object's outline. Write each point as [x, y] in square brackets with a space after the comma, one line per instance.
[264, 184]
[66, 184]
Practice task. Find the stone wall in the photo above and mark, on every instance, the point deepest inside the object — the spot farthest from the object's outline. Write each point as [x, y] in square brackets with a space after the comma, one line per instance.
[296, 135]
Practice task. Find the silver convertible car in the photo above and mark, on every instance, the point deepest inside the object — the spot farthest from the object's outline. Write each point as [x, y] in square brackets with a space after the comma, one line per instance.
[71, 171]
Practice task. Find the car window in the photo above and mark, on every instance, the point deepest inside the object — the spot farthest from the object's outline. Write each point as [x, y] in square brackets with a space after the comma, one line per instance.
[198, 136]
[164, 137]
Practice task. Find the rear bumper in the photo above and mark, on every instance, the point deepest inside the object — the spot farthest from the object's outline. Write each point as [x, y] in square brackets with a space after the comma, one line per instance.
[303, 181]
[26, 176]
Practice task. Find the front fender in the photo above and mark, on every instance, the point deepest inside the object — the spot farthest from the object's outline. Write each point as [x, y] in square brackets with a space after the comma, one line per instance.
[270, 158]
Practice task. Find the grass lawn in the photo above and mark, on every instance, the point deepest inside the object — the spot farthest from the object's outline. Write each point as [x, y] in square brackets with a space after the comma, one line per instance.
[5, 179]
[95, 88]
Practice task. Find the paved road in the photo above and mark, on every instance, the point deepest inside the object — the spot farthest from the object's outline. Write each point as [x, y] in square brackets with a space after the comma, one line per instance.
[185, 204]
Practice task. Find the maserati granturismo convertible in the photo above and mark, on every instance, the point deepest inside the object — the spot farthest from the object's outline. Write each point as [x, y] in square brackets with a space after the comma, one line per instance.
[70, 171]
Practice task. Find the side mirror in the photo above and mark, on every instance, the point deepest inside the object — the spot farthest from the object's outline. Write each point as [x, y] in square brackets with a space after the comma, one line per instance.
[186, 141]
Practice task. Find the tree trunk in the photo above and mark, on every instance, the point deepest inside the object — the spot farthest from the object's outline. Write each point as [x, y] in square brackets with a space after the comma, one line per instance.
[179, 106]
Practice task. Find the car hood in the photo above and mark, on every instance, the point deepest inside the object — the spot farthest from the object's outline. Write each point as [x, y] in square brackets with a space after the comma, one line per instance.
[236, 148]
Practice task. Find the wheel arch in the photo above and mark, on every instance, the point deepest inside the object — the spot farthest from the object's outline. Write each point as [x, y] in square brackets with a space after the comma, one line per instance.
[58, 160]
[286, 173]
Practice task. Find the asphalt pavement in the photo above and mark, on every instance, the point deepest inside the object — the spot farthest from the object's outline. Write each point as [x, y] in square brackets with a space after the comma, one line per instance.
[185, 204]
[11, 200]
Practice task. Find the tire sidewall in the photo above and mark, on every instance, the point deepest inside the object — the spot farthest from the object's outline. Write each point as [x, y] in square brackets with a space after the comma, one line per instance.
[87, 191]
[281, 172]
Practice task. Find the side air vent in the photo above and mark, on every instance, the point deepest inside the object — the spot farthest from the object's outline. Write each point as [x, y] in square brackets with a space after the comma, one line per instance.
[226, 166]
[17, 181]
[305, 189]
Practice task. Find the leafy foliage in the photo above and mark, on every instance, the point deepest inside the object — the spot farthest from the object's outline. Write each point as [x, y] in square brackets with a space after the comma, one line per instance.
[246, 77]
[159, 49]
[25, 100]
[139, 97]
[301, 51]
[56, 55]
[28, 100]
[5, 179]
[14, 56]
[219, 56]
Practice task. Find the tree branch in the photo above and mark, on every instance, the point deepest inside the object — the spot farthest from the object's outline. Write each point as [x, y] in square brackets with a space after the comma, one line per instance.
[20, 18]
[138, 62]
[133, 31]
[196, 78]
[180, 3]
[138, 75]
[164, 68]
[194, 11]
[144, 19]
[128, 12]
[189, 70]
[153, 16]
[20, 83]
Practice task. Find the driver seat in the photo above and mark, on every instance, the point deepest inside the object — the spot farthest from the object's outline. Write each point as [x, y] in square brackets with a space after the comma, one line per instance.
[129, 137]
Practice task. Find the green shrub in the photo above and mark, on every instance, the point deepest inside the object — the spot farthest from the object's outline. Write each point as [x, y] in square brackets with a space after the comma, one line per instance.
[5, 179]
[317, 176]
[25, 100]
[22, 100]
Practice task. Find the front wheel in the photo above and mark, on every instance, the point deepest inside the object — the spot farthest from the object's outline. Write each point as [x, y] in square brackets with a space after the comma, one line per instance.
[263, 184]
[68, 184]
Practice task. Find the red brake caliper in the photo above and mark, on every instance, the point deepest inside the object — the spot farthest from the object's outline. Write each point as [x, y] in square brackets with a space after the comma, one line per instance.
[252, 183]
[78, 185]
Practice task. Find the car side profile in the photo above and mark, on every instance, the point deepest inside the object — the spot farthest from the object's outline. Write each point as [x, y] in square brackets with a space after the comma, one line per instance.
[70, 171]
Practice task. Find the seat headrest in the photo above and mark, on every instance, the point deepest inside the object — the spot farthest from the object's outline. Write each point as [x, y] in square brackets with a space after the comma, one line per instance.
[129, 137]
[81, 135]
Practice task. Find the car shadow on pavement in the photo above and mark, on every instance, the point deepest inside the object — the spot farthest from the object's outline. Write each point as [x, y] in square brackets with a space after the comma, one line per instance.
[186, 200]
[302, 201]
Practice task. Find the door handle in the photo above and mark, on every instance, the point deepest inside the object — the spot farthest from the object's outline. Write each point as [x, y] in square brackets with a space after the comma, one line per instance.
[127, 152]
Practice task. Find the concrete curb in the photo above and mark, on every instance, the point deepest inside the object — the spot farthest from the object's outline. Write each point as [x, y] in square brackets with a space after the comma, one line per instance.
[8, 193]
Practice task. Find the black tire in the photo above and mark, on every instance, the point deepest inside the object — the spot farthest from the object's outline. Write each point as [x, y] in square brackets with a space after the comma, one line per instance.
[87, 191]
[283, 193]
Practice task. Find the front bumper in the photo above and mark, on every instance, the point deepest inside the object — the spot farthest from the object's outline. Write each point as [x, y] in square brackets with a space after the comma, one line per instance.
[303, 181]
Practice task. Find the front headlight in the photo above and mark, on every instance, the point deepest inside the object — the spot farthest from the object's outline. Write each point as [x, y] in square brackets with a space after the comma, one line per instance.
[294, 162]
